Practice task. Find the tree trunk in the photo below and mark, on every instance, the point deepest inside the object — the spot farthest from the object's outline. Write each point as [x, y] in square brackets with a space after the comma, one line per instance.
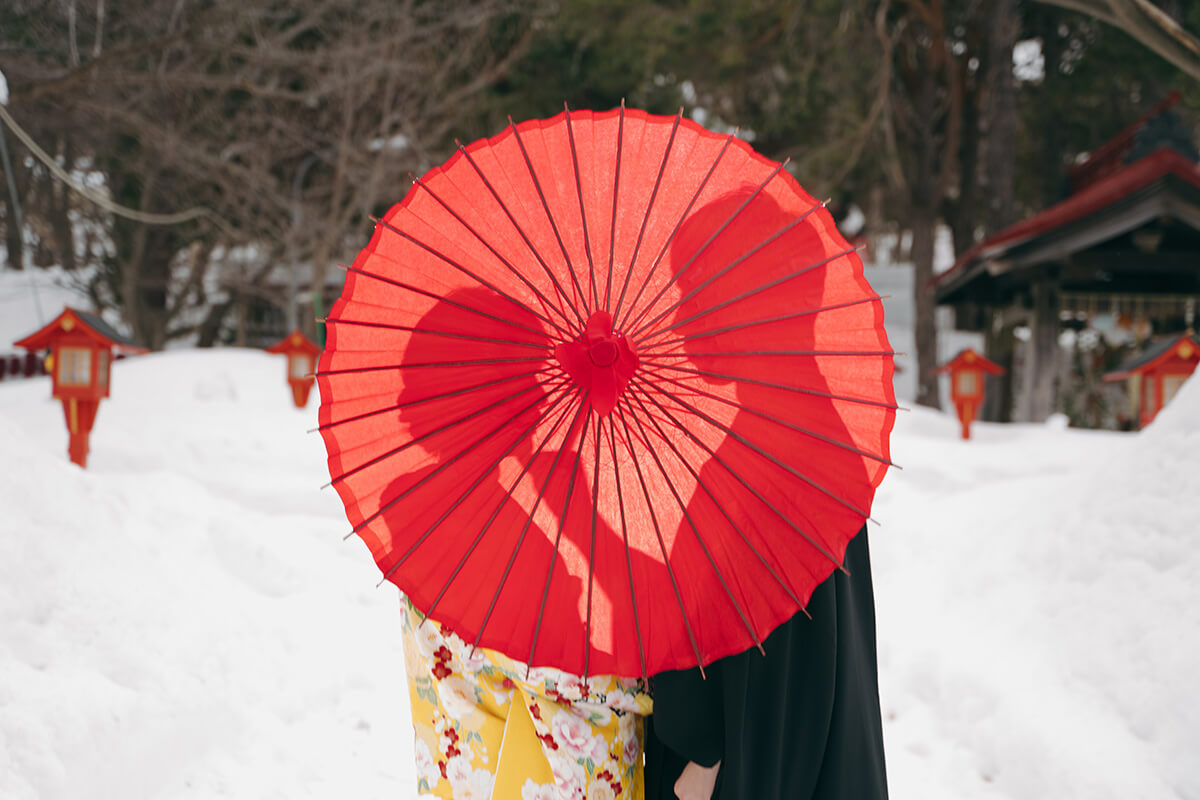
[923, 216]
[13, 240]
[924, 222]
[1003, 28]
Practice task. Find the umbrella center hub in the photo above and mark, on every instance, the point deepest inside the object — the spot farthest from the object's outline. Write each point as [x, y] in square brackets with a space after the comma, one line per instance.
[603, 353]
[600, 361]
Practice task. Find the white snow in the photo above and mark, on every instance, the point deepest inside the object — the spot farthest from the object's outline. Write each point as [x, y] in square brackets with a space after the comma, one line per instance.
[183, 619]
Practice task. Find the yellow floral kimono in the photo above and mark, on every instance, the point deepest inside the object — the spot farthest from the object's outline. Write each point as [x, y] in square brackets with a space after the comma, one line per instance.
[485, 730]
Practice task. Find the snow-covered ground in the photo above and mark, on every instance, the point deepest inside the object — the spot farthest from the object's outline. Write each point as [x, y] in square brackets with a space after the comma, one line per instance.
[183, 619]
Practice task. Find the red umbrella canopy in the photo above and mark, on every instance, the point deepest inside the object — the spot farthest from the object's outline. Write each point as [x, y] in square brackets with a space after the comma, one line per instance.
[607, 392]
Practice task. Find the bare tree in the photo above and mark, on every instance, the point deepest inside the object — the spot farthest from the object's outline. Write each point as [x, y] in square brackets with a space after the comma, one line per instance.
[292, 123]
[1147, 23]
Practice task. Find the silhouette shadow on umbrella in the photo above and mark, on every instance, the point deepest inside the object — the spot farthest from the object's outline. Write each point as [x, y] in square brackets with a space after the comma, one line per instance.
[607, 392]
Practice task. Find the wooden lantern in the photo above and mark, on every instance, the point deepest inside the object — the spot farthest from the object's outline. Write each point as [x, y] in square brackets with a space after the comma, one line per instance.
[80, 362]
[301, 355]
[968, 371]
[1156, 374]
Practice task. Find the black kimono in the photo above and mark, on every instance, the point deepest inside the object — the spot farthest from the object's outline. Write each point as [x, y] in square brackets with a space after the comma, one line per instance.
[800, 722]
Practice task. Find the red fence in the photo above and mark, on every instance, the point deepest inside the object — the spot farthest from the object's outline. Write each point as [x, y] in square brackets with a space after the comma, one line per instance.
[21, 366]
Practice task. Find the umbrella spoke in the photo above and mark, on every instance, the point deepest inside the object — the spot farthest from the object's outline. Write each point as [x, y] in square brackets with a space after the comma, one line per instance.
[754, 381]
[678, 224]
[428, 365]
[612, 234]
[550, 216]
[637, 626]
[717, 503]
[768, 456]
[778, 421]
[533, 250]
[479, 237]
[723, 270]
[451, 262]
[699, 539]
[530, 517]
[674, 277]
[442, 429]
[658, 534]
[432, 332]
[562, 522]
[448, 301]
[587, 245]
[467, 493]
[764, 321]
[738, 353]
[562, 415]
[736, 476]
[758, 290]
[649, 207]
[442, 396]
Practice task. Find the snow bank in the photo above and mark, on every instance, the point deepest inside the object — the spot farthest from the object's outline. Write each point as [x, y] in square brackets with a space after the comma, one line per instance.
[1039, 620]
[183, 618]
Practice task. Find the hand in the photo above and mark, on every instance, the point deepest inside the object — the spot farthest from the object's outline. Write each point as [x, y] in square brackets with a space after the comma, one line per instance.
[697, 782]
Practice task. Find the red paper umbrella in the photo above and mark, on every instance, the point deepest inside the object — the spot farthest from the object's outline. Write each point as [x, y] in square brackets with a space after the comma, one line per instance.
[607, 392]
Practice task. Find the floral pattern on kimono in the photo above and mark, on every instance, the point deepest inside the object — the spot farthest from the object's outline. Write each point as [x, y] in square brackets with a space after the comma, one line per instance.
[483, 722]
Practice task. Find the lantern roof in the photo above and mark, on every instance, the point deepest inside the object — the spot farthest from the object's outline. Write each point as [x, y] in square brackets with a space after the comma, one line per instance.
[90, 325]
[1184, 346]
[295, 342]
[970, 358]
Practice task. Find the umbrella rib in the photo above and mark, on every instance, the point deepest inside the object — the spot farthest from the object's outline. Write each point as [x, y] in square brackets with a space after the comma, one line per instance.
[432, 332]
[587, 244]
[723, 270]
[374, 515]
[768, 456]
[545, 300]
[768, 384]
[549, 216]
[719, 505]
[699, 539]
[743, 325]
[440, 429]
[562, 521]
[442, 396]
[434, 252]
[759, 289]
[687, 431]
[427, 364]
[658, 535]
[649, 208]
[734, 353]
[533, 250]
[612, 234]
[444, 299]
[499, 506]
[532, 513]
[637, 625]
[778, 421]
[462, 497]
[678, 224]
[587, 639]
[675, 276]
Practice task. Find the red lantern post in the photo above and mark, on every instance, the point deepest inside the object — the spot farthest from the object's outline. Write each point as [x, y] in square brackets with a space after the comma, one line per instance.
[1156, 374]
[967, 371]
[301, 355]
[81, 353]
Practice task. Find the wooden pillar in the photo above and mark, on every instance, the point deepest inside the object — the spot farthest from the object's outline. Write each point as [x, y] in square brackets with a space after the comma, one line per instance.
[998, 344]
[1043, 351]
